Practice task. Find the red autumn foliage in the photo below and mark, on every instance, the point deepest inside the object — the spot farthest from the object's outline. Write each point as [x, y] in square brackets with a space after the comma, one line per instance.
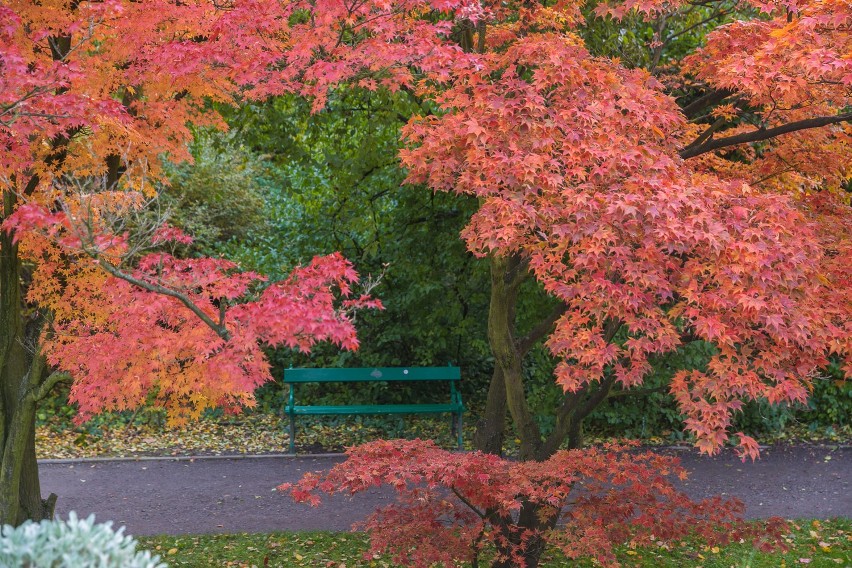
[454, 506]
[124, 343]
[87, 83]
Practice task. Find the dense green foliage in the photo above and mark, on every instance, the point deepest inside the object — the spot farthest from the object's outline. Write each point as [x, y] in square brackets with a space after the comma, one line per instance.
[218, 199]
[331, 181]
[300, 184]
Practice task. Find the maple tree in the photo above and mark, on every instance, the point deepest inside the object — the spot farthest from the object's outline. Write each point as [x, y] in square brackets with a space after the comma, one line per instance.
[721, 220]
[91, 95]
[477, 506]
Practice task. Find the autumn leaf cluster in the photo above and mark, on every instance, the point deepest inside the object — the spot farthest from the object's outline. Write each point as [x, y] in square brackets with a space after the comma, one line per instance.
[588, 501]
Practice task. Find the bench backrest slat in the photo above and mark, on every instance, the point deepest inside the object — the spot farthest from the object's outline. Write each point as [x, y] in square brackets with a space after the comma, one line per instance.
[371, 374]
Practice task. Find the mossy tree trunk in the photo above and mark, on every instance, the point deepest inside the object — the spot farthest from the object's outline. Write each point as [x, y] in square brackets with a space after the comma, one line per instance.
[507, 394]
[23, 382]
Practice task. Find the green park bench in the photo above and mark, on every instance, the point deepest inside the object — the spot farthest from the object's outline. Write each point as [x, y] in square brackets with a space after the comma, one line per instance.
[452, 375]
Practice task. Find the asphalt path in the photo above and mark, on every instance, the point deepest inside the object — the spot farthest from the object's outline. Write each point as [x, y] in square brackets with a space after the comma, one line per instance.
[170, 496]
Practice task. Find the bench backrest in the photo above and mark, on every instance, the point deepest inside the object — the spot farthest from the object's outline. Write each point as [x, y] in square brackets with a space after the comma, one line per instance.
[371, 374]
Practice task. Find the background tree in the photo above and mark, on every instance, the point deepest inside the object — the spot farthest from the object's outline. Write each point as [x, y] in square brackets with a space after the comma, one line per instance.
[331, 182]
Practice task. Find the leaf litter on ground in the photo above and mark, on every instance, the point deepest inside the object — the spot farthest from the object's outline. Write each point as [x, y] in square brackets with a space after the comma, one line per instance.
[251, 433]
[255, 433]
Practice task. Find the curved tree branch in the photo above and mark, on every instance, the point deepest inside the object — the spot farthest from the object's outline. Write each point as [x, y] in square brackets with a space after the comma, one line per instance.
[470, 505]
[708, 133]
[220, 330]
[704, 101]
[51, 381]
[762, 134]
[526, 342]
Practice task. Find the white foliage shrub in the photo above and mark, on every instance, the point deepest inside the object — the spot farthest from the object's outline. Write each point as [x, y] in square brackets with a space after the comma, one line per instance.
[75, 543]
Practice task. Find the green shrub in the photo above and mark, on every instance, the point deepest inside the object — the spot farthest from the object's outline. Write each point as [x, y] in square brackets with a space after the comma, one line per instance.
[74, 543]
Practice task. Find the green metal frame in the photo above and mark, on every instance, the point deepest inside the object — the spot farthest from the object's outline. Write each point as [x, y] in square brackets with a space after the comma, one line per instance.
[450, 374]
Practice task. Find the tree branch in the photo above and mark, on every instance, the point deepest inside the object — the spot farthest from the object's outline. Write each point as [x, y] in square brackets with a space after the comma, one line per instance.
[525, 343]
[708, 132]
[718, 14]
[762, 134]
[470, 505]
[220, 330]
[595, 398]
[517, 271]
[704, 101]
[51, 381]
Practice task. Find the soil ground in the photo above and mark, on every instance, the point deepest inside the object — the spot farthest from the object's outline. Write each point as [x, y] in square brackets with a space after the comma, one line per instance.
[169, 496]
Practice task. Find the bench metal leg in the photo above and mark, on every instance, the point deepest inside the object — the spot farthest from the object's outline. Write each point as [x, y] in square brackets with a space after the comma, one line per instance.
[458, 425]
[292, 434]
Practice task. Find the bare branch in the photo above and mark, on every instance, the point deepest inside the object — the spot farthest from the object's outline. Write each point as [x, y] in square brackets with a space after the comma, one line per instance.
[51, 381]
[762, 134]
[708, 132]
[595, 398]
[525, 343]
[470, 505]
[704, 101]
[220, 330]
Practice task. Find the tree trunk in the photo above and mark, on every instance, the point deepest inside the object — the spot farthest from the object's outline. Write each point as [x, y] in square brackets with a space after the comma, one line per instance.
[491, 427]
[20, 377]
[529, 518]
[507, 274]
[506, 394]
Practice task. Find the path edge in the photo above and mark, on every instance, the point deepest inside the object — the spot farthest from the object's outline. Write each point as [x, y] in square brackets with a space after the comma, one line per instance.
[50, 461]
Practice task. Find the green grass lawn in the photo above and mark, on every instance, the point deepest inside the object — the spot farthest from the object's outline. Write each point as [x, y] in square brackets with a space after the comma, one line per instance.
[816, 544]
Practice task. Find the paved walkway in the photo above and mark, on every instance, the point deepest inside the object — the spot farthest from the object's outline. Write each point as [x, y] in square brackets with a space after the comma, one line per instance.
[235, 495]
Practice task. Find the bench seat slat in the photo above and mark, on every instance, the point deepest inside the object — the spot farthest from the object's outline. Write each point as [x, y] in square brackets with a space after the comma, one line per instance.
[374, 409]
[371, 374]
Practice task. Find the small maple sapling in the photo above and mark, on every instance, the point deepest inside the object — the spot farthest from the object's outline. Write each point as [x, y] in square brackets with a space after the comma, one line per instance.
[472, 506]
